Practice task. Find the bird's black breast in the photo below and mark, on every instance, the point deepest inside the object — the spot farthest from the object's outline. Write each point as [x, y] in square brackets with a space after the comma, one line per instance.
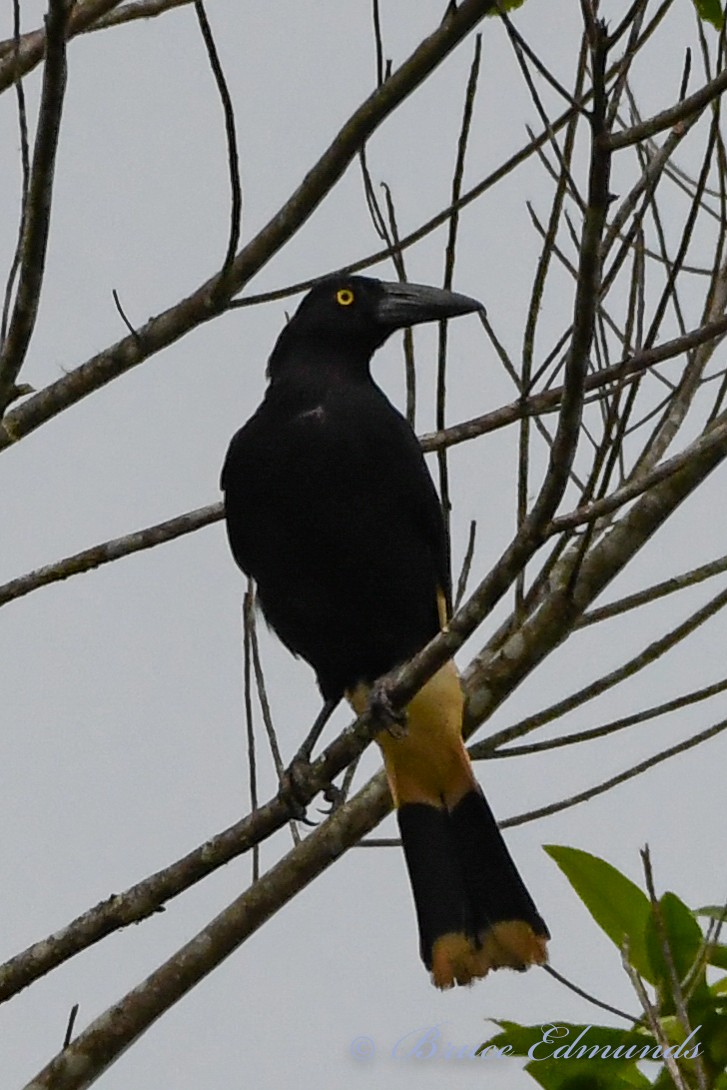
[331, 510]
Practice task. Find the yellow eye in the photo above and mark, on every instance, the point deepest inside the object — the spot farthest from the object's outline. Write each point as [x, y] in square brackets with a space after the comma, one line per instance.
[345, 297]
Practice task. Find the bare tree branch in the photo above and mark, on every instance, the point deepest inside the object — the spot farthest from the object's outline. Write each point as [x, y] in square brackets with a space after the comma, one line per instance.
[25, 166]
[548, 401]
[615, 781]
[632, 666]
[489, 749]
[37, 207]
[206, 301]
[97, 555]
[672, 117]
[136, 9]
[628, 492]
[651, 594]
[448, 280]
[119, 13]
[232, 154]
[93, 1050]
[33, 45]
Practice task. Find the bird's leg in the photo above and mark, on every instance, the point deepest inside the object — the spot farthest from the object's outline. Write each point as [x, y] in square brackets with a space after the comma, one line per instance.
[316, 730]
[383, 712]
[301, 760]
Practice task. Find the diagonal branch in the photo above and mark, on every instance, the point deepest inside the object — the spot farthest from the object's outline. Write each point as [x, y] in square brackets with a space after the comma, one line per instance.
[96, 1048]
[615, 781]
[632, 666]
[404, 682]
[33, 45]
[92, 1052]
[84, 19]
[97, 555]
[637, 485]
[486, 749]
[81, 1062]
[207, 300]
[135, 9]
[657, 590]
[547, 401]
[675, 115]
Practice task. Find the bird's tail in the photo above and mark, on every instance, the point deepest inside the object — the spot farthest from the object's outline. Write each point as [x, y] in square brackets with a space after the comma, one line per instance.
[473, 910]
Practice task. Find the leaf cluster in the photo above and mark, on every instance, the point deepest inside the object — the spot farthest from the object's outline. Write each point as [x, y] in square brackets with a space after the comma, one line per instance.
[684, 1020]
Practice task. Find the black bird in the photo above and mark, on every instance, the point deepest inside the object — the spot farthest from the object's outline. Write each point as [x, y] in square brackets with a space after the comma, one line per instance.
[331, 509]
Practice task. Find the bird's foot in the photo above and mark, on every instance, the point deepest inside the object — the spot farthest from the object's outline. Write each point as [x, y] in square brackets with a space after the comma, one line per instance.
[383, 711]
[335, 796]
[294, 787]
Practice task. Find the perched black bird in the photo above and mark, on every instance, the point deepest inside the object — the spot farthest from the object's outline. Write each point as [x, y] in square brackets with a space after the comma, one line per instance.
[331, 509]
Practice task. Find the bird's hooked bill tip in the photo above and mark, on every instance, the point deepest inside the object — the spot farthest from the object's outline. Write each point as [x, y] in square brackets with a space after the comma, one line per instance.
[408, 304]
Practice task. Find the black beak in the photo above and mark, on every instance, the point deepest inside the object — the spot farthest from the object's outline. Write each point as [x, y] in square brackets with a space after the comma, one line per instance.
[408, 304]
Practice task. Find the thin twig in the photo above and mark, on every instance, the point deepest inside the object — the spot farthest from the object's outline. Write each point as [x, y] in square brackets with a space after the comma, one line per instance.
[486, 749]
[378, 43]
[449, 260]
[247, 621]
[466, 565]
[262, 694]
[399, 262]
[674, 981]
[675, 115]
[614, 781]
[589, 997]
[111, 550]
[122, 314]
[68, 1035]
[632, 666]
[233, 159]
[652, 1016]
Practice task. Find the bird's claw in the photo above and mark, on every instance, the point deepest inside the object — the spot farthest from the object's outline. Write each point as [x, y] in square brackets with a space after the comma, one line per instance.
[293, 787]
[383, 711]
[335, 796]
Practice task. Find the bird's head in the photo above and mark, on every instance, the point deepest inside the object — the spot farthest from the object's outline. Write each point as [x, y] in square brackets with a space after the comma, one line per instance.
[353, 315]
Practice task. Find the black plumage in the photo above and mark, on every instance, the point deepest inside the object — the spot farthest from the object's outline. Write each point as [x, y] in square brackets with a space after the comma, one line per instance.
[331, 509]
[329, 504]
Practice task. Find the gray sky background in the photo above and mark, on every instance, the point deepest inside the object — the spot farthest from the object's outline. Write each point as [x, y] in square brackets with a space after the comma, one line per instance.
[123, 739]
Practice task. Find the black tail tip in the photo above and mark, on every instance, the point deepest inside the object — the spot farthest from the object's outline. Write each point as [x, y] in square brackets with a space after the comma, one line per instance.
[474, 913]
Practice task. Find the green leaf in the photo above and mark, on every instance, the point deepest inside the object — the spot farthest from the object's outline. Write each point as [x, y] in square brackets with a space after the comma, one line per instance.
[519, 1038]
[718, 956]
[713, 1036]
[617, 905]
[506, 5]
[683, 937]
[587, 1075]
[718, 913]
[710, 11]
[561, 1040]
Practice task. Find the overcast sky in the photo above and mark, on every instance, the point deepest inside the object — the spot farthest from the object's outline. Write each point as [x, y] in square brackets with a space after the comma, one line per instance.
[123, 741]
